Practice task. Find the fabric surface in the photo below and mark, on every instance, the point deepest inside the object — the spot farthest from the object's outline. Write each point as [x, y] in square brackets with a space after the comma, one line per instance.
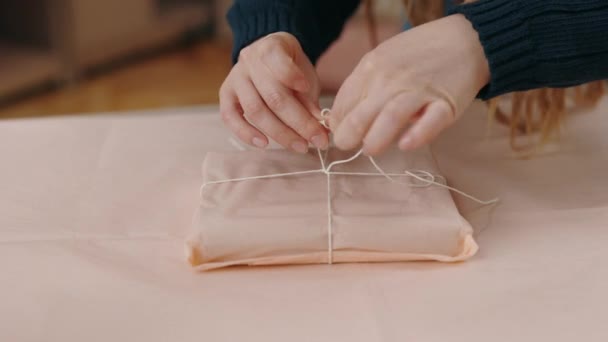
[94, 212]
[285, 220]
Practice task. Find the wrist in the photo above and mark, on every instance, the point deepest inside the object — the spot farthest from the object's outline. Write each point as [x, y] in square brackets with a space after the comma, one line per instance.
[477, 56]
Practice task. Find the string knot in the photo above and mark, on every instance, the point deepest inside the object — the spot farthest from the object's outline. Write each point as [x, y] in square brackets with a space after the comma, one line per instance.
[324, 116]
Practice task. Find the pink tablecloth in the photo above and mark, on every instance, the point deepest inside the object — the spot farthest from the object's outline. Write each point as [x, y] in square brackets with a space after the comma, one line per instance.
[93, 211]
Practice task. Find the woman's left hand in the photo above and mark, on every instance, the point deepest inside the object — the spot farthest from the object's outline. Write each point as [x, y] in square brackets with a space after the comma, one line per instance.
[411, 87]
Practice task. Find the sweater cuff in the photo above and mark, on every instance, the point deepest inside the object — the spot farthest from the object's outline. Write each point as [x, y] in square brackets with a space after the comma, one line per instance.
[504, 34]
[248, 26]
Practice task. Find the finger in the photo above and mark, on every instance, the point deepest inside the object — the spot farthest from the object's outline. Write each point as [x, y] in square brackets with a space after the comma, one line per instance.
[310, 104]
[356, 124]
[283, 68]
[285, 105]
[355, 89]
[310, 98]
[391, 121]
[256, 111]
[348, 97]
[437, 116]
[232, 116]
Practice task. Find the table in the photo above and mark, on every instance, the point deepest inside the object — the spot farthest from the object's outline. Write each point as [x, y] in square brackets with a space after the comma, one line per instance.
[94, 211]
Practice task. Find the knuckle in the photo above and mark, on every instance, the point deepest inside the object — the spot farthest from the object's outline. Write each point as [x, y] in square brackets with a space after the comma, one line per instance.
[223, 91]
[228, 118]
[272, 37]
[369, 62]
[225, 116]
[283, 39]
[253, 109]
[246, 52]
[266, 47]
[275, 100]
[287, 37]
[243, 54]
[392, 108]
[393, 112]
[447, 111]
[292, 40]
[268, 53]
[270, 45]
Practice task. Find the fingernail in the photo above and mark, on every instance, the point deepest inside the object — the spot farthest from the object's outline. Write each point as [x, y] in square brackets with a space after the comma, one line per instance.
[320, 141]
[299, 147]
[259, 142]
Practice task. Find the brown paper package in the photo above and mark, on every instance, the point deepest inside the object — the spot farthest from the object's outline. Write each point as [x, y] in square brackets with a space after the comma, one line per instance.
[281, 221]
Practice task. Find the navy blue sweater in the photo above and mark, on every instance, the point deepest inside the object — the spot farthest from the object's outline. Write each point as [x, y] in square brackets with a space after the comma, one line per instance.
[528, 43]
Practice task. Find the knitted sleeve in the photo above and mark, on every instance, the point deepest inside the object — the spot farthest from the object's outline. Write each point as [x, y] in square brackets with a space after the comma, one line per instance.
[540, 43]
[315, 23]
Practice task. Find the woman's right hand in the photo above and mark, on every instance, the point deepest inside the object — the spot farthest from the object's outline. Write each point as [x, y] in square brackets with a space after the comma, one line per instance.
[273, 92]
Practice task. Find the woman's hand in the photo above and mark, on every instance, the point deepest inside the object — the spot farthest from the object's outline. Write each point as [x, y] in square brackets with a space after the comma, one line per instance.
[412, 86]
[273, 91]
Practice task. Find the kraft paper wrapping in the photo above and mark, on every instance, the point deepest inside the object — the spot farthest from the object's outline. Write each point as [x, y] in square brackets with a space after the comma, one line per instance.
[285, 220]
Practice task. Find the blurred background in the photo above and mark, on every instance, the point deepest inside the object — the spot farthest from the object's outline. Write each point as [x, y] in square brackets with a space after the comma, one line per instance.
[62, 57]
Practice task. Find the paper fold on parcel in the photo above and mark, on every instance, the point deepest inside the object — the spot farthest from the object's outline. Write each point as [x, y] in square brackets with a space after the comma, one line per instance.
[284, 220]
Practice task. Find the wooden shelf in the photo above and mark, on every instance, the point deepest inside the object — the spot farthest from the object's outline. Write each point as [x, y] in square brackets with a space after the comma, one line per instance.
[152, 30]
[185, 15]
[84, 34]
[23, 67]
